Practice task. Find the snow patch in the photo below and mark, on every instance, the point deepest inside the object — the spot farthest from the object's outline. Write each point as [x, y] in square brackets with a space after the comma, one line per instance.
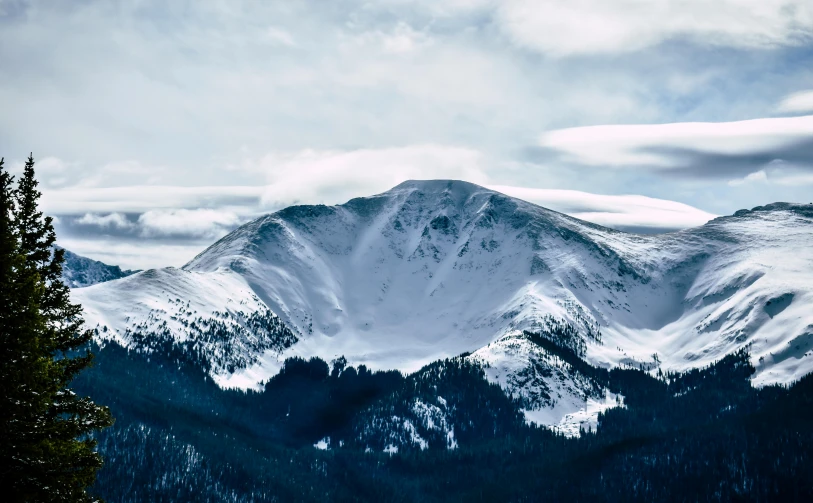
[414, 436]
[571, 423]
[552, 393]
[433, 417]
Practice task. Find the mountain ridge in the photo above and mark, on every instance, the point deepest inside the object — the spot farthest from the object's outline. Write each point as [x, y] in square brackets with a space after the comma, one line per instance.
[429, 270]
[79, 271]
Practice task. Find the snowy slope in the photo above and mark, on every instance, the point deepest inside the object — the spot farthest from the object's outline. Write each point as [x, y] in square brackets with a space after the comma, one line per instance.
[552, 392]
[79, 271]
[432, 269]
[215, 319]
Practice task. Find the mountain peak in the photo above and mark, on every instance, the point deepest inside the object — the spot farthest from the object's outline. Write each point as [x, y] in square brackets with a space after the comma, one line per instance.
[801, 209]
[440, 186]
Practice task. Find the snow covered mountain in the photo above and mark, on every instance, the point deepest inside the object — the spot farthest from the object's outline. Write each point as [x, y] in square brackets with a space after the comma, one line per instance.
[432, 269]
[79, 271]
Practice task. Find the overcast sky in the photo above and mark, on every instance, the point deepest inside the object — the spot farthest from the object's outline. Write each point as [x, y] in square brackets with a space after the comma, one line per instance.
[158, 126]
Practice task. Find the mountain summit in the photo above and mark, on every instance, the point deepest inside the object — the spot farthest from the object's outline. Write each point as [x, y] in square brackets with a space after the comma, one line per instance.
[431, 269]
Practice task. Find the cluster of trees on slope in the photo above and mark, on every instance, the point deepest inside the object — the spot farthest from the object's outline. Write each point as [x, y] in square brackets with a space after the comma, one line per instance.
[705, 435]
[45, 453]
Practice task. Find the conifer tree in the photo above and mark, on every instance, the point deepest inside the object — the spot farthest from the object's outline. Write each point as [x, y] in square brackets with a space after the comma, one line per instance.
[45, 449]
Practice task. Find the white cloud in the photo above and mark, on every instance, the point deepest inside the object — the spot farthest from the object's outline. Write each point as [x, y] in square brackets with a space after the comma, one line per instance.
[401, 39]
[444, 8]
[616, 211]
[777, 174]
[282, 76]
[142, 198]
[144, 254]
[756, 177]
[575, 27]
[302, 177]
[800, 102]
[174, 222]
[404, 39]
[332, 177]
[655, 145]
[795, 180]
[201, 223]
[111, 220]
[51, 171]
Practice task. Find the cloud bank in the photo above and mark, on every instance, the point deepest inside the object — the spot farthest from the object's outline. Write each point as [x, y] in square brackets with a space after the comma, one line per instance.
[708, 150]
[184, 220]
[181, 233]
[631, 213]
[798, 102]
[578, 27]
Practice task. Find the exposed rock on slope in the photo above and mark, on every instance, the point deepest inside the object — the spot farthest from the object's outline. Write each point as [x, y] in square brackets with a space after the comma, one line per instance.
[79, 271]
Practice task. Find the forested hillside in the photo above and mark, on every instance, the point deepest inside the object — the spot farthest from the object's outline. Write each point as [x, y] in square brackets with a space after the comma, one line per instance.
[705, 435]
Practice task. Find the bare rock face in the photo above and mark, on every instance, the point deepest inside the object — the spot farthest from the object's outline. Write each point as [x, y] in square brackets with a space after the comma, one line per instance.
[79, 271]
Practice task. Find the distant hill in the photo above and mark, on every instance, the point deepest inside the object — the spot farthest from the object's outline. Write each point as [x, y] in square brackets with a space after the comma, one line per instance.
[79, 271]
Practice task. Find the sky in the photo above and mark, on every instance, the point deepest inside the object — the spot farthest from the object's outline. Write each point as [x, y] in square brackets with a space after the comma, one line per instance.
[160, 126]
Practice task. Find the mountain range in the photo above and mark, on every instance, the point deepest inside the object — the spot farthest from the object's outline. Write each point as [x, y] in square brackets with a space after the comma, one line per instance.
[436, 269]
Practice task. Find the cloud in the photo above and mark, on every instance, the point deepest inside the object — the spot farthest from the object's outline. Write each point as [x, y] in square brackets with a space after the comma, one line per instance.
[143, 198]
[625, 212]
[799, 102]
[188, 84]
[202, 223]
[400, 40]
[697, 149]
[190, 218]
[51, 171]
[577, 27]
[564, 28]
[359, 95]
[795, 180]
[776, 173]
[154, 238]
[133, 254]
[756, 177]
[111, 220]
[302, 177]
[160, 223]
[335, 176]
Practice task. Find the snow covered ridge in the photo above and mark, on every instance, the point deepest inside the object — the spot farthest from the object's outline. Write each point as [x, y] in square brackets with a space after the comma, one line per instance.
[433, 269]
[210, 319]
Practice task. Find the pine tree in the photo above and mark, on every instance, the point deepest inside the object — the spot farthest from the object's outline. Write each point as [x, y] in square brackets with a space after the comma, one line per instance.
[47, 453]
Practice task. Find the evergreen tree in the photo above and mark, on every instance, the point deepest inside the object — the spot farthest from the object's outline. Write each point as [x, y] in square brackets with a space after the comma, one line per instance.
[45, 448]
